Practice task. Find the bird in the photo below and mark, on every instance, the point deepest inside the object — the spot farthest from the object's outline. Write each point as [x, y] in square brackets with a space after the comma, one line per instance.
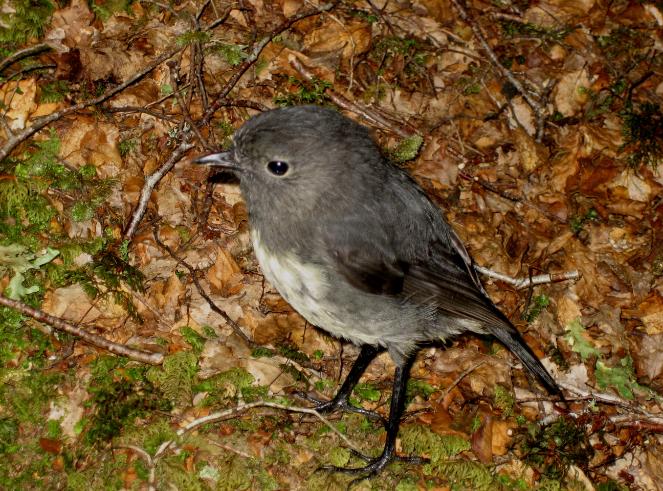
[354, 245]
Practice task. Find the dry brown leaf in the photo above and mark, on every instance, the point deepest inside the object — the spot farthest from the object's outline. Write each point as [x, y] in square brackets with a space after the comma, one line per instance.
[225, 276]
[352, 39]
[523, 117]
[568, 309]
[482, 439]
[291, 7]
[502, 437]
[72, 25]
[569, 96]
[651, 313]
[167, 295]
[530, 154]
[20, 100]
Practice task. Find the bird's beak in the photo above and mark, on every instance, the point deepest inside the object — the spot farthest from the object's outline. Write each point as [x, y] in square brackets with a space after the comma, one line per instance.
[225, 160]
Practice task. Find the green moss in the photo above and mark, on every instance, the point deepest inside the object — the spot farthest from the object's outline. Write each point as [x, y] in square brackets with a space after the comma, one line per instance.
[339, 456]
[513, 29]
[303, 92]
[176, 377]
[643, 134]
[226, 387]
[419, 388]
[120, 393]
[504, 400]
[262, 352]
[104, 9]
[407, 149]
[367, 392]
[539, 304]
[195, 340]
[27, 22]
[105, 472]
[234, 54]
[418, 440]
[551, 449]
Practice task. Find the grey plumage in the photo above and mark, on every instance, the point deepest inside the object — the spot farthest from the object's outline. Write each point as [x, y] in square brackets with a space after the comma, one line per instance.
[353, 243]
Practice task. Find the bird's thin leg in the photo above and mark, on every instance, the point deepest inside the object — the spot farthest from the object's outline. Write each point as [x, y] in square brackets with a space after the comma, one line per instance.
[340, 401]
[396, 408]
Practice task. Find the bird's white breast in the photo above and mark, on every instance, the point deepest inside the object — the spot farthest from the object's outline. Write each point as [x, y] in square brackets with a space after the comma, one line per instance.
[303, 285]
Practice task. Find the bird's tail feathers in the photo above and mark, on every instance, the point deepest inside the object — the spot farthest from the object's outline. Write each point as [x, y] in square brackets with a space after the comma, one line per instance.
[512, 339]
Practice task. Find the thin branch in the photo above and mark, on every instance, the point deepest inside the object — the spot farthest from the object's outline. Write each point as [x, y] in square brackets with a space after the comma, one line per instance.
[40, 123]
[88, 337]
[520, 283]
[255, 53]
[536, 105]
[460, 377]
[151, 182]
[23, 53]
[184, 106]
[145, 110]
[192, 271]
[235, 411]
[369, 114]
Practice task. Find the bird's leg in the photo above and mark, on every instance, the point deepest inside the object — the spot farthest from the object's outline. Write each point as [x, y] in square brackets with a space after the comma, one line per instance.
[340, 401]
[376, 464]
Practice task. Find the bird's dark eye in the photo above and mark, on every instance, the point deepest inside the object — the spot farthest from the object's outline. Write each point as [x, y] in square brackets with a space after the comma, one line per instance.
[278, 167]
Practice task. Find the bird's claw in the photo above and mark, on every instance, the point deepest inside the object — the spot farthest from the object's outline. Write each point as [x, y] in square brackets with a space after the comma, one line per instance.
[326, 407]
[373, 467]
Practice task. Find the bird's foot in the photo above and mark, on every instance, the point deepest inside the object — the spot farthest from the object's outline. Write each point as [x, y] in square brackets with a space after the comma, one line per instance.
[326, 407]
[374, 465]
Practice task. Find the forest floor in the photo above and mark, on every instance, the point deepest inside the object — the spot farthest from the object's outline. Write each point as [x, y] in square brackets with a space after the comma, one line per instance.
[537, 128]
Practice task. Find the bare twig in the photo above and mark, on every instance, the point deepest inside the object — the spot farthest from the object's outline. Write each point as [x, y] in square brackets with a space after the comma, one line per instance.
[520, 283]
[145, 110]
[150, 184]
[535, 104]
[458, 379]
[184, 106]
[222, 416]
[41, 123]
[137, 109]
[23, 53]
[88, 337]
[370, 115]
[255, 53]
[235, 411]
[192, 271]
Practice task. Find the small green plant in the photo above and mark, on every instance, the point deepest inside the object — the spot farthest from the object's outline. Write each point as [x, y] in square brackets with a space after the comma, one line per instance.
[577, 337]
[106, 8]
[513, 29]
[26, 21]
[578, 222]
[538, 305]
[504, 400]
[125, 147]
[234, 54]
[54, 91]
[304, 92]
[553, 448]
[643, 134]
[620, 377]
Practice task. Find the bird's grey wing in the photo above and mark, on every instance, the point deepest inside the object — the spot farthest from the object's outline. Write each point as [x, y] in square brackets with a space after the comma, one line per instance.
[436, 274]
